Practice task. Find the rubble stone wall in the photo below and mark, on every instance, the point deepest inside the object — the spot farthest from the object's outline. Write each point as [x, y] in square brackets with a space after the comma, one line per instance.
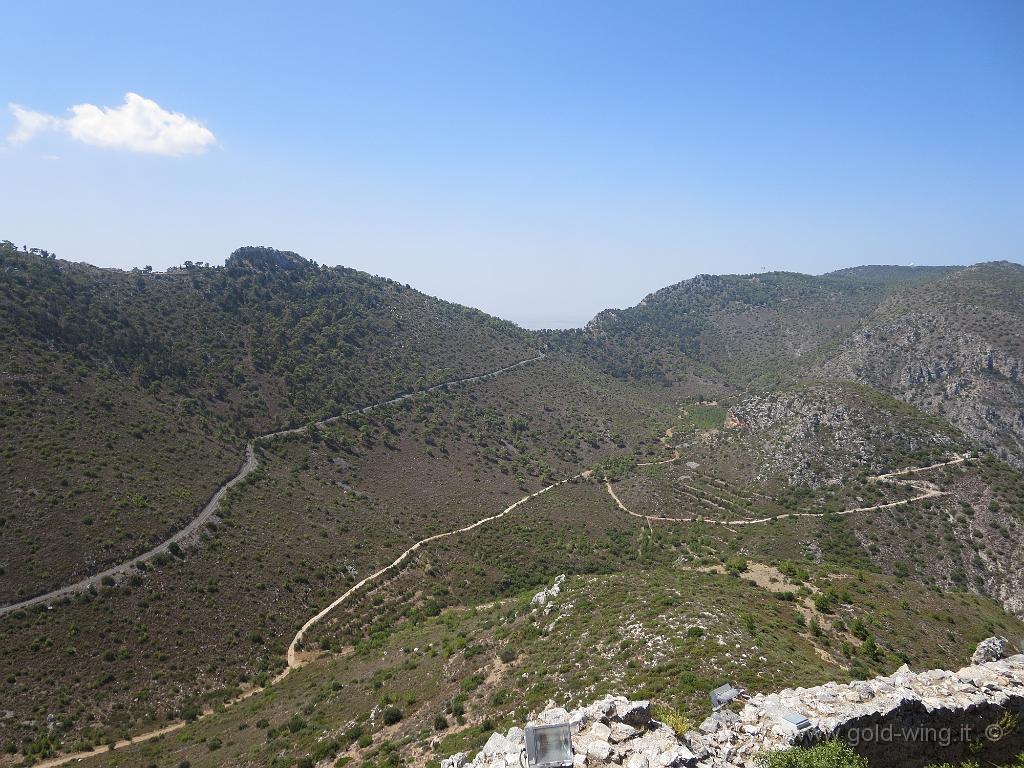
[912, 736]
[906, 719]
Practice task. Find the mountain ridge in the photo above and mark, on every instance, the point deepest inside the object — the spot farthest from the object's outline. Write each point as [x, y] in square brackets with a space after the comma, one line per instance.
[130, 397]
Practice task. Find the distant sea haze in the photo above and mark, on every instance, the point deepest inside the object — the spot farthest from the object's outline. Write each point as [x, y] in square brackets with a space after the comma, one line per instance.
[545, 321]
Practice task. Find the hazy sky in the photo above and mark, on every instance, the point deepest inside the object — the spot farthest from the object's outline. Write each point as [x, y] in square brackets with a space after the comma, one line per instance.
[539, 160]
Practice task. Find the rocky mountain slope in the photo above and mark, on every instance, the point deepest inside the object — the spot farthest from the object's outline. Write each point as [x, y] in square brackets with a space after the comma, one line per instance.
[777, 479]
[737, 330]
[441, 684]
[954, 348]
[945, 339]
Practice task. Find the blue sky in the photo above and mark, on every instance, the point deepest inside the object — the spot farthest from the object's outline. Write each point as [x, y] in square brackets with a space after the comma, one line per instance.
[539, 160]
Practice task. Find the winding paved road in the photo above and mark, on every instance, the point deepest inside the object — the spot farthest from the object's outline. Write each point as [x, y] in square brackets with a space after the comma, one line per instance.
[213, 504]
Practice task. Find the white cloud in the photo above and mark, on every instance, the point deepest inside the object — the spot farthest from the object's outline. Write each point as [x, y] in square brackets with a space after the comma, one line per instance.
[138, 125]
[28, 123]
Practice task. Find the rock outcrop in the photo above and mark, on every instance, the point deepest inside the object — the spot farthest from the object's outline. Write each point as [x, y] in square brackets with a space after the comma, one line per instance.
[992, 649]
[907, 719]
[930, 359]
[813, 434]
[545, 596]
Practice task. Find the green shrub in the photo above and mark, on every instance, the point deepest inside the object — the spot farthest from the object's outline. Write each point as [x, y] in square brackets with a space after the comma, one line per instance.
[736, 565]
[870, 648]
[828, 754]
[823, 602]
[324, 749]
[472, 682]
[675, 719]
[501, 696]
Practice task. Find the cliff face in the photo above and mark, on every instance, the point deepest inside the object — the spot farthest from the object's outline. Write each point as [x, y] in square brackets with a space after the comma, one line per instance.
[833, 437]
[959, 375]
[954, 349]
[813, 434]
[906, 719]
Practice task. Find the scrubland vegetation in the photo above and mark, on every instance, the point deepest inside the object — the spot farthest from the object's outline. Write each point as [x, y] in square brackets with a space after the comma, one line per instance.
[129, 398]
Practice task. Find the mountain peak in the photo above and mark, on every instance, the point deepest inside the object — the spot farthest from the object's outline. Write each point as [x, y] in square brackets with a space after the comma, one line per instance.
[262, 257]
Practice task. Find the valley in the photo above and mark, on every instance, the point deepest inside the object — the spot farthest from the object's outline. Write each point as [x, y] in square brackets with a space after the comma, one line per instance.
[729, 494]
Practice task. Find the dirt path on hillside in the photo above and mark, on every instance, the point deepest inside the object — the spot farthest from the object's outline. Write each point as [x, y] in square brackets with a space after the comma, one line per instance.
[664, 441]
[55, 761]
[293, 660]
[296, 659]
[926, 491]
[140, 738]
[248, 466]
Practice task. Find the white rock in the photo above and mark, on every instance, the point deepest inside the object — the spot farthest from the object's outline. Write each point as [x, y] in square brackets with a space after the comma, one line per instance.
[578, 720]
[622, 731]
[601, 708]
[676, 756]
[553, 715]
[545, 596]
[496, 744]
[990, 649]
[617, 730]
[599, 750]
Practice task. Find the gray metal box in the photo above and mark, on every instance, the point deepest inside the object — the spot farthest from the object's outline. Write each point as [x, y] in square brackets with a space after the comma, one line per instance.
[549, 746]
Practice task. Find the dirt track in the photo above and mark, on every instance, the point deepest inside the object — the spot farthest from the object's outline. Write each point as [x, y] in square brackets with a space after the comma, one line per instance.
[293, 659]
[927, 491]
[123, 569]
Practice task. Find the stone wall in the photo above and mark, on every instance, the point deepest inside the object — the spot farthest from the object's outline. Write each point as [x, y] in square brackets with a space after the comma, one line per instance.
[905, 719]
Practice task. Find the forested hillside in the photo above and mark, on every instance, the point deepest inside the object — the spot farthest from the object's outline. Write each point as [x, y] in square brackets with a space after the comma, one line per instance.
[128, 396]
[737, 330]
[778, 479]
